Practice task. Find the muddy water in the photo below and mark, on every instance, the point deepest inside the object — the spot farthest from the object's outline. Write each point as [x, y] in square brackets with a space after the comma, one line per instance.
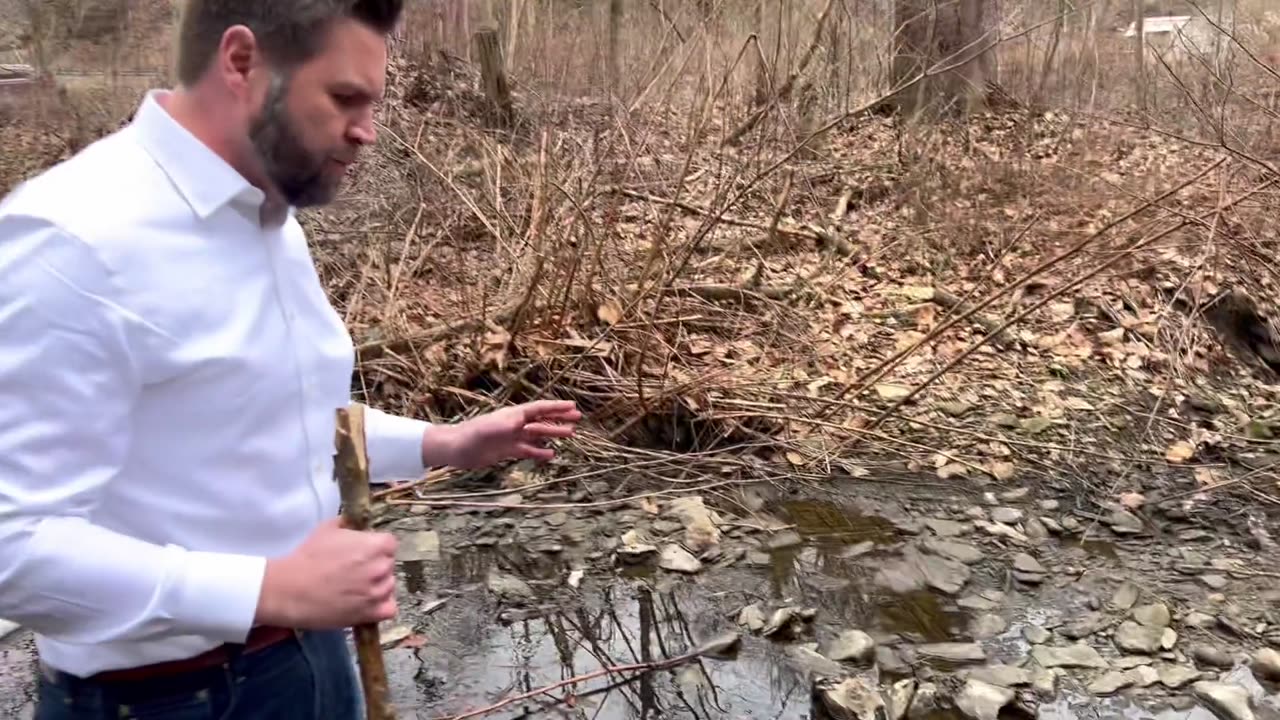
[478, 650]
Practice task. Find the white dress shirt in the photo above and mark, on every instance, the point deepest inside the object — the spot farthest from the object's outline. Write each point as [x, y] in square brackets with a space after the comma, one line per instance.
[170, 369]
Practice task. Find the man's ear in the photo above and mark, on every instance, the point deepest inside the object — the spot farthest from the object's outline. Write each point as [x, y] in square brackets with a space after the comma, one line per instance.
[238, 56]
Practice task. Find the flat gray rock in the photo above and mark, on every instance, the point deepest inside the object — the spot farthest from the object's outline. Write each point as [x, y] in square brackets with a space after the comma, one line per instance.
[1229, 702]
[853, 698]
[954, 550]
[1036, 635]
[983, 701]
[1266, 664]
[1110, 682]
[852, 646]
[1153, 615]
[953, 652]
[1135, 638]
[1175, 677]
[988, 626]
[1022, 562]
[946, 528]
[420, 546]
[1211, 656]
[752, 618]
[677, 559]
[1008, 516]
[1070, 656]
[1001, 675]
[1125, 597]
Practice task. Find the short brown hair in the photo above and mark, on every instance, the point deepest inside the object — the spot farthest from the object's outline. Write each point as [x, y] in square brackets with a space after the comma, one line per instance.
[288, 31]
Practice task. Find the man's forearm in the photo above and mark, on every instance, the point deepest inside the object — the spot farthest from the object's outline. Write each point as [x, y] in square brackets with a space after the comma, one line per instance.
[397, 446]
[80, 583]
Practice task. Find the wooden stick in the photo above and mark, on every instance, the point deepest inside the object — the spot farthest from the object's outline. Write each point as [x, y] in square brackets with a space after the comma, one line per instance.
[352, 465]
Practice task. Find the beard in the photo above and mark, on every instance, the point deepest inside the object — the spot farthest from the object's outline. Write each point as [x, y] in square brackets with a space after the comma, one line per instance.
[297, 171]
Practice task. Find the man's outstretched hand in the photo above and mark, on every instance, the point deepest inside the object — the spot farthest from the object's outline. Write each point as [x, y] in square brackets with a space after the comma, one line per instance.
[513, 433]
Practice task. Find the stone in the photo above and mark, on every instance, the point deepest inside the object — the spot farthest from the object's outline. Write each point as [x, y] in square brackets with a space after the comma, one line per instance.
[1044, 682]
[1051, 525]
[1266, 664]
[1001, 675]
[916, 570]
[1135, 638]
[677, 559]
[853, 698]
[1175, 677]
[1199, 620]
[1144, 676]
[1230, 702]
[423, 545]
[509, 587]
[780, 622]
[900, 697]
[953, 652]
[1110, 682]
[752, 618]
[1036, 635]
[988, 626]
[1124, 598]
[1155, 615]
[783, 540]
[1035, 529]
[1210, 656]
[1008, 516]
[1070, 656]
[1123, 522]
[977, 602]
[924, 705]
[946, 528]
[1214, 582]
[983, 701]
[1004, 531]
[1017, 495]
[701, 526]
[1023, 562]
[1084, 626]
[975, 513]
[1050, 505]
[812, 665]
[889, 661]
[851, 645]
[954, 550]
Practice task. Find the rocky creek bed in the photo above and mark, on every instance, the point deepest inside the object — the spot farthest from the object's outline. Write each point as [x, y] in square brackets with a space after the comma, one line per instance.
[849, 603]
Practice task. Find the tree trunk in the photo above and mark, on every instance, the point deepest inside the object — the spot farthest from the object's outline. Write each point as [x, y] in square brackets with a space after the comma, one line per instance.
[951, 42]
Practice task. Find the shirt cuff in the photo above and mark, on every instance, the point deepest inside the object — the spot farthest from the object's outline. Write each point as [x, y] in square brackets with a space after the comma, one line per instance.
[394, 444]
[219, 593]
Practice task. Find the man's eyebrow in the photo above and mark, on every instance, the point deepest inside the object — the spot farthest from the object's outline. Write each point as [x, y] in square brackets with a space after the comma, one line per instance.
[350, 87]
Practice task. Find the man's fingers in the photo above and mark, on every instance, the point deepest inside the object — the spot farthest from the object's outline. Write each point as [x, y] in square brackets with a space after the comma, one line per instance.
[533, 452]
[545, 430]
[552, 410]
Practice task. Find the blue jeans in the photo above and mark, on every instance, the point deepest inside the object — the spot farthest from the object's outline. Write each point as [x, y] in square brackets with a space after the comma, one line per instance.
[310, 677]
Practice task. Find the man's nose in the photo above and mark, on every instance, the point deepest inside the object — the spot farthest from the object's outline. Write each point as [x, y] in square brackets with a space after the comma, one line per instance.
[363, 133]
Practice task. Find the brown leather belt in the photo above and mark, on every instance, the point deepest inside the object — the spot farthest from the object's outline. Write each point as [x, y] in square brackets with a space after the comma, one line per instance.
[260, 638]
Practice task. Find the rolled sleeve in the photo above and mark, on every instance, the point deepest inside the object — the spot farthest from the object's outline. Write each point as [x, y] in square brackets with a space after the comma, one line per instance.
[394, 444]
[68, 386]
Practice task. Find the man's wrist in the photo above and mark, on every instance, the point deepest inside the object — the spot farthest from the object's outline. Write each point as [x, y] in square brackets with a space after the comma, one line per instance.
[440, 446]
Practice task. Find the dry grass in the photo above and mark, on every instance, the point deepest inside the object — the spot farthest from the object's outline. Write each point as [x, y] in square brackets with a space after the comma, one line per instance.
[820, 295]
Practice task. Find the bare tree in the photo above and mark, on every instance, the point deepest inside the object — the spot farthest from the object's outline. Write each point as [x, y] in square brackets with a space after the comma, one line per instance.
[954, 34]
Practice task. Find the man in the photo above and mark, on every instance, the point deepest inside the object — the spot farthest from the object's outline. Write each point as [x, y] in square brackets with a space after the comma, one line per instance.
[170, 369]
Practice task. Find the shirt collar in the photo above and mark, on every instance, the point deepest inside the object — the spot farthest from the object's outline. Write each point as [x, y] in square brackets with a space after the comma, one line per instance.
[201, 176]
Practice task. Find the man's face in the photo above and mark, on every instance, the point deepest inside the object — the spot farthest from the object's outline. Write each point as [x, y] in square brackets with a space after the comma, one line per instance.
[314, 119]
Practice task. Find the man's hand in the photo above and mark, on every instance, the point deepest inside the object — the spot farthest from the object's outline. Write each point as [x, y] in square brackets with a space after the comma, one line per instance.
[512, 433]
[337, 578]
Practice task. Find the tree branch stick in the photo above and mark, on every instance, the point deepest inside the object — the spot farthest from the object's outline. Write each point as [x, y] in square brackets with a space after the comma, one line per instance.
[352, 465]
